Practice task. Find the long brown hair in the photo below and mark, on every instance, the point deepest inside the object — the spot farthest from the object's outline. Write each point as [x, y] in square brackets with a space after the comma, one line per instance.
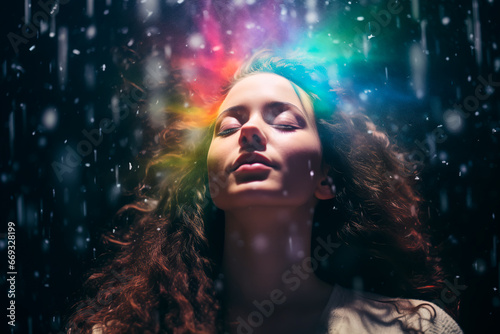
[163, 278]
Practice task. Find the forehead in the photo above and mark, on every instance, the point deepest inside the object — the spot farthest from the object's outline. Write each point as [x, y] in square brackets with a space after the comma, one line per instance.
[262, 88]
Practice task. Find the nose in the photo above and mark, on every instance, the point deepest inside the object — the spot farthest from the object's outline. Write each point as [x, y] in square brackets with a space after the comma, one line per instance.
[252, 137]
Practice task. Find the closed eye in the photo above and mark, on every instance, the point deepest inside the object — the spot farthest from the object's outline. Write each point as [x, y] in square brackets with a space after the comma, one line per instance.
[227, 132]
[286, 120]
[228, 125]
[287, 127]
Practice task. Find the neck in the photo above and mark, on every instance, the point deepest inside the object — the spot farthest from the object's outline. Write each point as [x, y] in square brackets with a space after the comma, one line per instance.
[268, 249]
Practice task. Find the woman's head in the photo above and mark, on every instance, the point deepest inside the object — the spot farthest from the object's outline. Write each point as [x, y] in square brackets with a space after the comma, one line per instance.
[265, 146]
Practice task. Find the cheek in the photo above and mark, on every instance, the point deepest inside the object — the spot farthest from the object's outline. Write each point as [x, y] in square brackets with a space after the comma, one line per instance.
[304, 163]
[217, 177]
[303, 174]
[220, 154]
[213, 161]
[304, 153]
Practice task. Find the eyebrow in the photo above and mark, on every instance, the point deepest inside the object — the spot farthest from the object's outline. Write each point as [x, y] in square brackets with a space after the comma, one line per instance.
[239, 107]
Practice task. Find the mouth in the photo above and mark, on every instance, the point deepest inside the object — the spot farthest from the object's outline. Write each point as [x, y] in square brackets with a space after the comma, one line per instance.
[252, 162]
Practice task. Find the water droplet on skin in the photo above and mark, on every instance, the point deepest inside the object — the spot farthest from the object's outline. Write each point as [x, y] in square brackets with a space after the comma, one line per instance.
[260, 243]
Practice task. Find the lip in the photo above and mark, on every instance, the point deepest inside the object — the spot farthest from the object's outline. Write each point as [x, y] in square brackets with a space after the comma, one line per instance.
[251, 162]
[255, 167]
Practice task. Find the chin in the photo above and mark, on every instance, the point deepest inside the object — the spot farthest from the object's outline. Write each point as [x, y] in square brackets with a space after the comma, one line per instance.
[253, 194]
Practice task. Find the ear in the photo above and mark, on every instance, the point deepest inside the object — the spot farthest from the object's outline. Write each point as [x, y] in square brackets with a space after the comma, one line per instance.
[326, 189]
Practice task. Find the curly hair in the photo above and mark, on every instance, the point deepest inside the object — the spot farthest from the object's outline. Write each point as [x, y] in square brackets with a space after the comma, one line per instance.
[163, 277]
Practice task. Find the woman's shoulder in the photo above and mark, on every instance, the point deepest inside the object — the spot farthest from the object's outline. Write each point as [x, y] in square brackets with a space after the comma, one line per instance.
[351, 311]
[96, 329]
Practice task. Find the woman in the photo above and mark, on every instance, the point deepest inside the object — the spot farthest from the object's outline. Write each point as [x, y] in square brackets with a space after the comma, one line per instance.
[274, 222]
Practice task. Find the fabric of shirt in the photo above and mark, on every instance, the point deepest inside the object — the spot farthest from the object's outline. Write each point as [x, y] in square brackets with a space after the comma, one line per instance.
[357, 312]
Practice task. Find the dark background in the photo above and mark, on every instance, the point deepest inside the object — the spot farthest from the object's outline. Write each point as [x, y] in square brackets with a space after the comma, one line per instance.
[59, 221]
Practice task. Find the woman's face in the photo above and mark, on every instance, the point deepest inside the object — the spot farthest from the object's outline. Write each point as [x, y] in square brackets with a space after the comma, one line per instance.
[265, 149]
